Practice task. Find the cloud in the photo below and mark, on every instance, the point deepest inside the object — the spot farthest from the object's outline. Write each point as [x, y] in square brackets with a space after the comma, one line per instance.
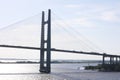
[77, 22]
[74, 6]
[95, 11]
[87, 7]
[83, 22]
[111, 16]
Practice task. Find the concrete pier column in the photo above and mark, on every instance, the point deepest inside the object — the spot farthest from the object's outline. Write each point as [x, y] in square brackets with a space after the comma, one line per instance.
[113, 60]
[119, 60]
[103, 62]
[116, 60]
[110, 60]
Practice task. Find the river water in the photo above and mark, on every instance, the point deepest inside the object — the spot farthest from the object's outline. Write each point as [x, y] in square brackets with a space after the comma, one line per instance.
[59, 72]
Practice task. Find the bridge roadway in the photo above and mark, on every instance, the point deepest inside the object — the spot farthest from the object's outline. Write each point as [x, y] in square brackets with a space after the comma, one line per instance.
[60, 50]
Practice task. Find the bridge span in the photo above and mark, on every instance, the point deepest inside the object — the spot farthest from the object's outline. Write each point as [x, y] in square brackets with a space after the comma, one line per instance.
[104, 55]
[46, 67]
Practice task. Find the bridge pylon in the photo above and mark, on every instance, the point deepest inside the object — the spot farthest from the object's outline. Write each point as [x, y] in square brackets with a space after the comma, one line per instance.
[45, 52]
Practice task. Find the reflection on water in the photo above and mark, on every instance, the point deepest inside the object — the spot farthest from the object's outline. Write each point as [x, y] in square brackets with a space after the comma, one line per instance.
[22, 72]
[31, 71]
[34, 68]
[19, 68]
[27, 77]
[59, 72]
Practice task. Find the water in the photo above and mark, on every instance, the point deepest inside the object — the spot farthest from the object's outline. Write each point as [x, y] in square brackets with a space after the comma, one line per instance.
[34, 68]
[59, 72]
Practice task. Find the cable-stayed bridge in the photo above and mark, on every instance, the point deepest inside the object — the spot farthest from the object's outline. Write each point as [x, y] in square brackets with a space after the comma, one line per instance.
[46, 49]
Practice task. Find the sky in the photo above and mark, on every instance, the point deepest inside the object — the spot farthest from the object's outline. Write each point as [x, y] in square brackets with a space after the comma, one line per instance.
[96, 20]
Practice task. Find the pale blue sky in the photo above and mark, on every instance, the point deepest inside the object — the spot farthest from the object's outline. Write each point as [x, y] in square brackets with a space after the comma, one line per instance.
[97, 20]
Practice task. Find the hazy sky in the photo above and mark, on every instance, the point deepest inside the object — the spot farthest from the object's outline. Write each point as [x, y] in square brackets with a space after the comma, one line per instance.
[97, 20]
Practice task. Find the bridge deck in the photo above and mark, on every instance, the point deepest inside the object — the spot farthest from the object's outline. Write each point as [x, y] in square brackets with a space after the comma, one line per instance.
[60, 50]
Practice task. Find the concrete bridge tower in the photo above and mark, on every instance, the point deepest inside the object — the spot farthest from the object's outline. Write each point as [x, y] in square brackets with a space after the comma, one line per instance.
[45, 52]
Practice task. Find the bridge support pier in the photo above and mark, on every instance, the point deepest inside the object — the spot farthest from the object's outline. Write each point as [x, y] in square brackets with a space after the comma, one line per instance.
[119, 60]
[103, 62]
[110, 60]
[116, 60]
[45, 52]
